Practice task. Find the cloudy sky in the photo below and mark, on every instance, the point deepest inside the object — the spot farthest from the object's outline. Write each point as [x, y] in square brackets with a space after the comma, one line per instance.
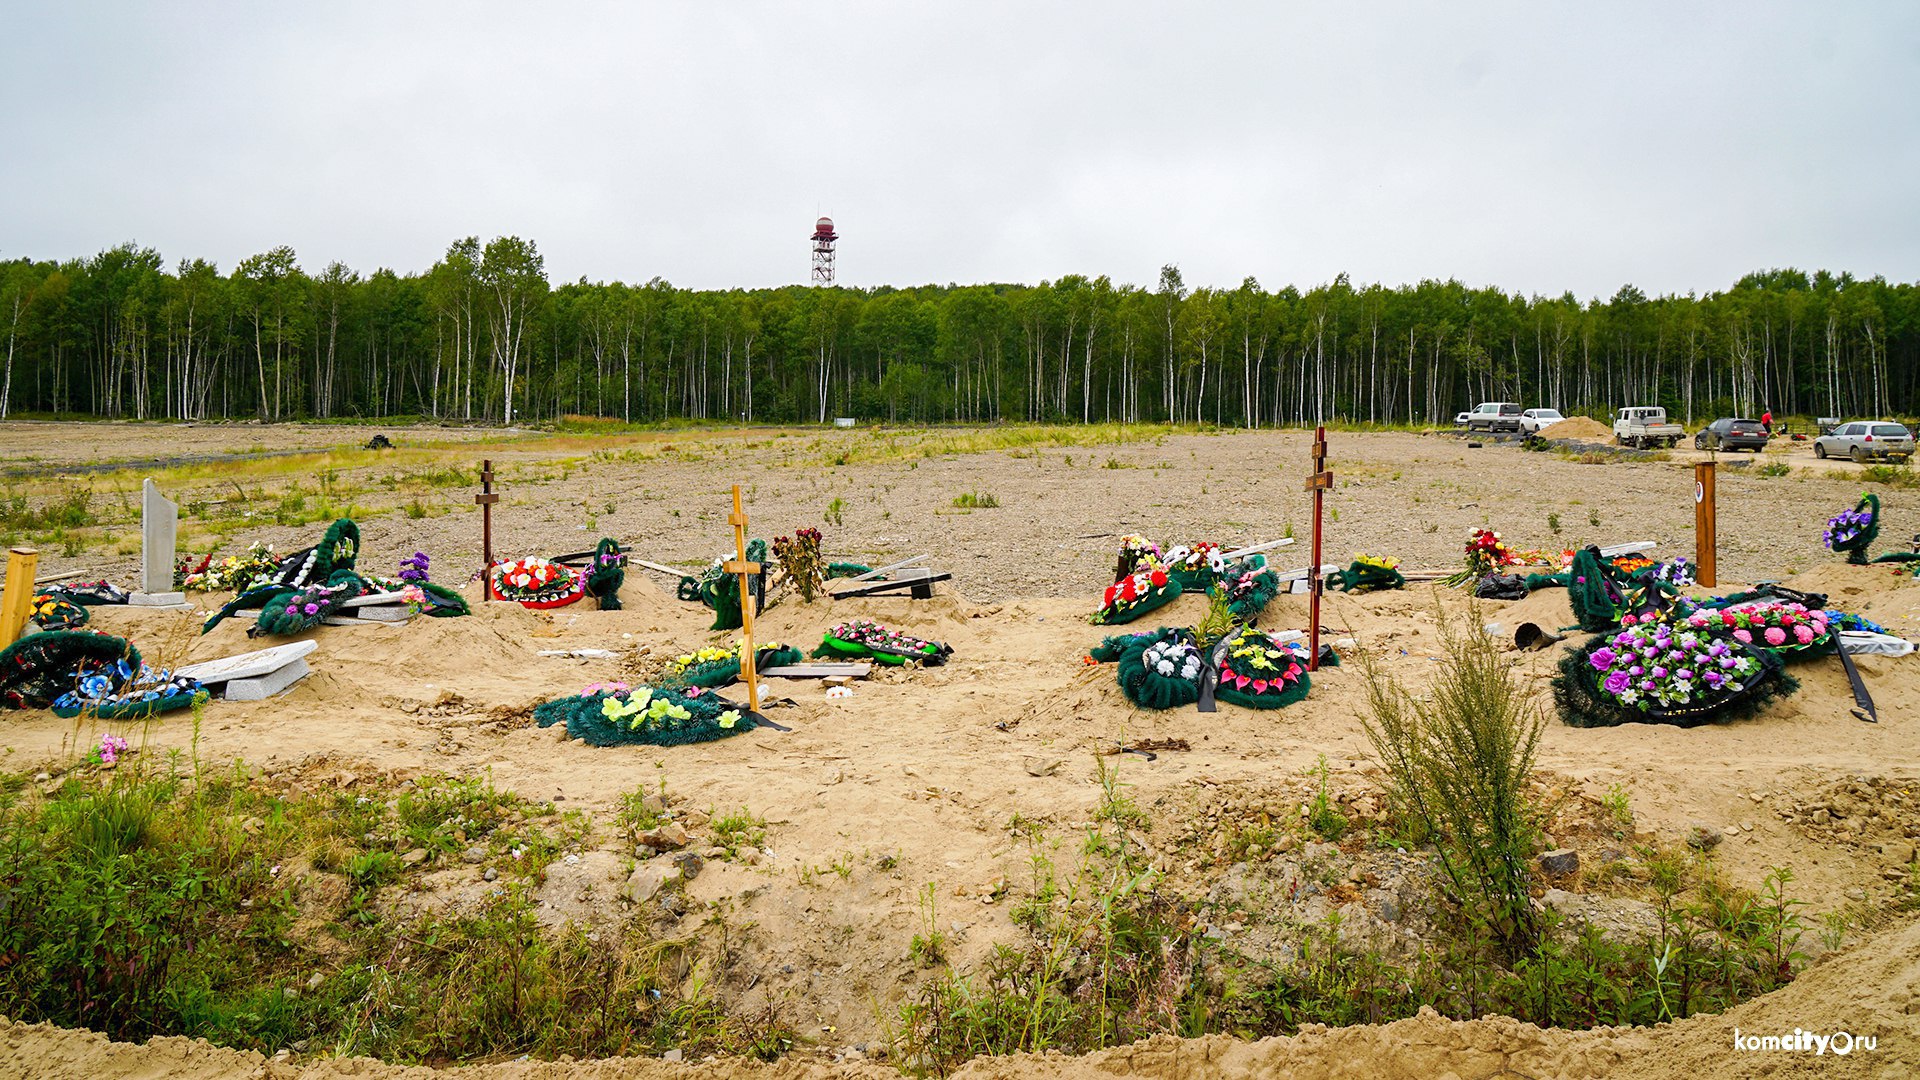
[1539, 147]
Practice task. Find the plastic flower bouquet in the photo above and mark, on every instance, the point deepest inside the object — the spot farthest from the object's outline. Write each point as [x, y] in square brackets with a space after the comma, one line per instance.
[1657, 672]
[1369, 572]
[718, 665]
[1248, 584]
[1195, 567]
[1486, 553]
[1676, 573]
[1259, 674]
[1135, 551]
[609, 714]
[1160, 670]
[865, 638]
[535, 583]
[1849, 532]
[1146, 588]
[1781, 627]
[299, 611]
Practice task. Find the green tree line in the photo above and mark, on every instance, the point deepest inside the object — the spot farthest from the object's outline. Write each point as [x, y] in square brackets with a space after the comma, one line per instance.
[484, 335]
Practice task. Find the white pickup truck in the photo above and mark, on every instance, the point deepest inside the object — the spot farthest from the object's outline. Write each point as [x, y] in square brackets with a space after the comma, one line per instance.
[1646, 426]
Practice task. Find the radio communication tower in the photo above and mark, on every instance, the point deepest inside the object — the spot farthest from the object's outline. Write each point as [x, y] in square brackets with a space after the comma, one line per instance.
[823, 238]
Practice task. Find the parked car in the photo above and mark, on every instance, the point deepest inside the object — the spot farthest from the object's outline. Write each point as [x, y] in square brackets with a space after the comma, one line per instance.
[1494, 416]
[1533, 420]
[1864, 440]
[1732, 433]
[1460, 419]
[1644, 426]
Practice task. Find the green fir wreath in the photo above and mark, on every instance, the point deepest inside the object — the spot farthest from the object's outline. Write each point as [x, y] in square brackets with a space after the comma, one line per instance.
[648, 716]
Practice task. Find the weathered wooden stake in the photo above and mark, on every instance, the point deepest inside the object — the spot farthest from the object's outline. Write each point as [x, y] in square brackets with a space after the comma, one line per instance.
[486, 499]
[1318, 483]
[1706, 540]
[746, 571]
[17, 600]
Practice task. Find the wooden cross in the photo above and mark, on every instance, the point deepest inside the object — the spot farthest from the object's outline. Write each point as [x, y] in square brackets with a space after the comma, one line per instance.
[486, 499]
[1706, 540]
[16, 602]
[1318, 483]
[746, 572]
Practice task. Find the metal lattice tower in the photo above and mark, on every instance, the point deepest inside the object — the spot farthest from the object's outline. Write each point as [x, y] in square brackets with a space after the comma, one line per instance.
[823, 238]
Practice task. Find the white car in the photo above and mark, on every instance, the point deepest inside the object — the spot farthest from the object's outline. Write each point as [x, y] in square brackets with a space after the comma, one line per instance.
[1533, 420]
[1460, 419]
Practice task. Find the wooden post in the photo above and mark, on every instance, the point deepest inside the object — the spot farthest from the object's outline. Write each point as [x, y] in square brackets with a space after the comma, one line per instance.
[486, 499]
[1318, 483]
[17, 600]
[1706, 540]
[746, 571]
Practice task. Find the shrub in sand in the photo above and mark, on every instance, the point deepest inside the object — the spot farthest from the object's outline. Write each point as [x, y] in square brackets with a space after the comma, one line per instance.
[1458, 761]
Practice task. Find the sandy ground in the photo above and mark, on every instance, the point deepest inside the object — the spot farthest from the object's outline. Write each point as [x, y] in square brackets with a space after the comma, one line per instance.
[1060, 512]
[930, 767]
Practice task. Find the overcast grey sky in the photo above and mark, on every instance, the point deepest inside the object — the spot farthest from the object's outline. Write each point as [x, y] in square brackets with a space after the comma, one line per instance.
[1537, 147]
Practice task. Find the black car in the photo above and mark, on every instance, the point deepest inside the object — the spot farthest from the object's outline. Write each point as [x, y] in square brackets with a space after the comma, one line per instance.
[1731, 433]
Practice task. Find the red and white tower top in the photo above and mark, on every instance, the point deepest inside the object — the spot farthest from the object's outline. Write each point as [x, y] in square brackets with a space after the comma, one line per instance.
[823, 238]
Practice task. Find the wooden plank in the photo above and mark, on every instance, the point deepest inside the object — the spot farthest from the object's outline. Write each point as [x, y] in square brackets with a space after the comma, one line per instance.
[17, 598]
[1320, 481]
[1255, 549]
[1306, 571]
[62, 576]
[879, 588]
[1633, 548]
[819, 671]
[871, 574]
[659, 569]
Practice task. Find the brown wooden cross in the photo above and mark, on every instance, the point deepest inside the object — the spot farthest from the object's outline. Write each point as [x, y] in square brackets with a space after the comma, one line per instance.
[746, 572]
[1318, 483]
[1706, 539]
[486, 499]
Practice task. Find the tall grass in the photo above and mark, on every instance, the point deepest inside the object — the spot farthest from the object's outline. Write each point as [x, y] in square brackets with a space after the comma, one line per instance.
[140, 904]
[1458, 759]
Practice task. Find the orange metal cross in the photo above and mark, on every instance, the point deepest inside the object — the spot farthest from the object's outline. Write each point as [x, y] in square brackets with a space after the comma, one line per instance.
[746, 571]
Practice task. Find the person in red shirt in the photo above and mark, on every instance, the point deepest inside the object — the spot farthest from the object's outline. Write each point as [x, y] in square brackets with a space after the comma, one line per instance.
[1766, 421]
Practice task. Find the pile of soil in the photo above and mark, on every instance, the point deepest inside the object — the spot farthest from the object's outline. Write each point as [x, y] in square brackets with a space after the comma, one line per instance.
[1581, 428]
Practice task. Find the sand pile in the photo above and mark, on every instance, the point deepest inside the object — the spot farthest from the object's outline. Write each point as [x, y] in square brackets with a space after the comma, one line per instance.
[1580, 428]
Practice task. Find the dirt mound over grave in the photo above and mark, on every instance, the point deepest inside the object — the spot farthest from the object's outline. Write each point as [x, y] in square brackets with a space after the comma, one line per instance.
[1578, 428]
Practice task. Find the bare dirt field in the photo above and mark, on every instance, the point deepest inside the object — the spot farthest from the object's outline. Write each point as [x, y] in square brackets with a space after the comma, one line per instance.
[915, 779]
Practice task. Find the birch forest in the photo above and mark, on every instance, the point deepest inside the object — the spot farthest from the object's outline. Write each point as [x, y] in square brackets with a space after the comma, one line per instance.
[483, 335]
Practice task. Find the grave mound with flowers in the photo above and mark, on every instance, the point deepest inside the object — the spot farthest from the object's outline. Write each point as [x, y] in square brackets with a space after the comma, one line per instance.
[536, 583]
[1660, 673]
[1260, 674]
[1161, 669]
[1248, 585]
[1146, 587]
[1789, 629]
[40, 667]
[614, 714]
[718, 665]
[865, 639]
[1370, 572]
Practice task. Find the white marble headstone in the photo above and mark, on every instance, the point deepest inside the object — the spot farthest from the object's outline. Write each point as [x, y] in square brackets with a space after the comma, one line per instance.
[247, 665]
[159, 525]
